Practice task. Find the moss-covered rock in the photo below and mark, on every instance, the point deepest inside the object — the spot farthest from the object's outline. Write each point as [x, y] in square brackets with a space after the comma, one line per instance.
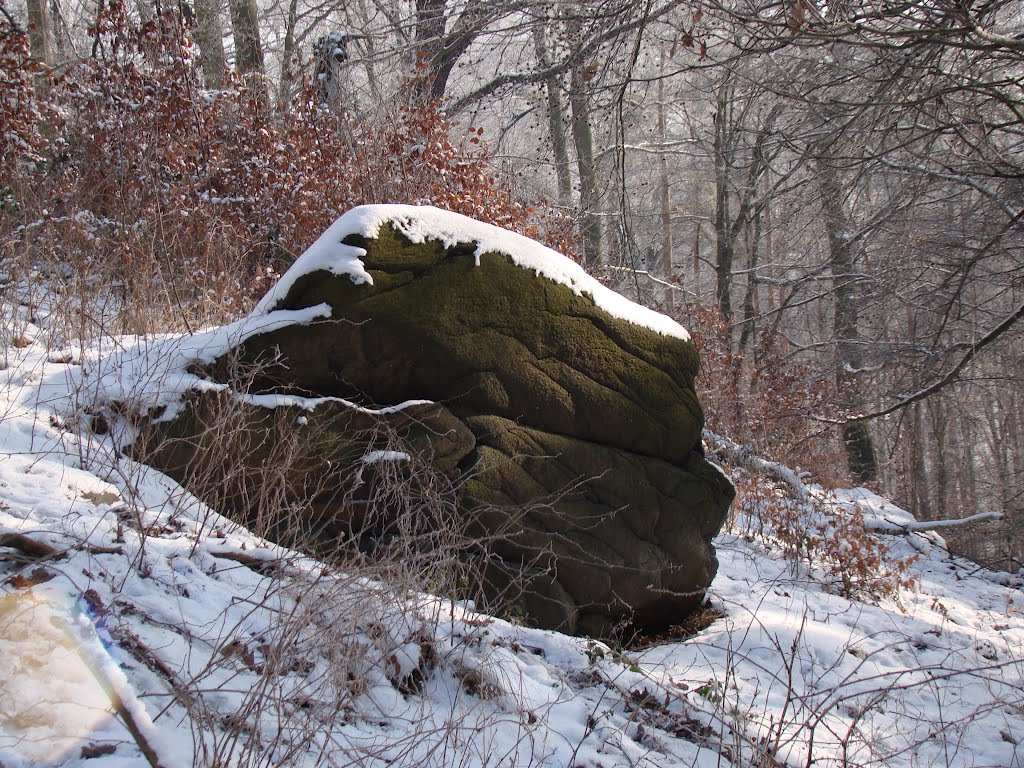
[488, 339]
[624, 538]
[570, 437]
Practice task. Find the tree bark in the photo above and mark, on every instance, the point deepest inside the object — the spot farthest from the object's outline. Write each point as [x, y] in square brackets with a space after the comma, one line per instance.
[583, 138]
[210, 39]
[556, 120]
[438, 47]
[723, 240]
[748, 323]
[940, 433]
[921, 505]
[695, 258]
[284, 87]
[665, 192]
[246, 32]
[846, 283]
[40, 40]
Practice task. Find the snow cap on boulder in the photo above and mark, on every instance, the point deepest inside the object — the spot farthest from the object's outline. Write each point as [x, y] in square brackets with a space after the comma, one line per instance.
[422, 223]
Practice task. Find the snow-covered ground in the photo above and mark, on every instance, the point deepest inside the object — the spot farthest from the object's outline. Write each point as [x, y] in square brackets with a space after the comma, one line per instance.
[139, 627]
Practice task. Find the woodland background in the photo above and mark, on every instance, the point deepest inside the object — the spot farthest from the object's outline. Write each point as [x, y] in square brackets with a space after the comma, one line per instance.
[829, 195]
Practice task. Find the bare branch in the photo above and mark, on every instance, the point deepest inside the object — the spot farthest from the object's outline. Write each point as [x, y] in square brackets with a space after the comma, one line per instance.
[953, 374]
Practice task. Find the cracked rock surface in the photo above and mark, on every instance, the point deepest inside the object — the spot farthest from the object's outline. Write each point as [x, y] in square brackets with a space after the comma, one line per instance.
[567, 439]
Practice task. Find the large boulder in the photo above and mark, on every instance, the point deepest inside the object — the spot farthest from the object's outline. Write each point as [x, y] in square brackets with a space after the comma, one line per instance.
[561, 417]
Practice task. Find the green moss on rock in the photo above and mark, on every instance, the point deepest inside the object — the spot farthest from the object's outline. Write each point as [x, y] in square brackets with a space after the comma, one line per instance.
[570, 437]
[433, 323]
[627, 533]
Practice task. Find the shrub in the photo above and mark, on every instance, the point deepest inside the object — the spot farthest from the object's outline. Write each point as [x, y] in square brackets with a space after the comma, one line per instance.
[819, 534]
[762, 397]
[189, 202]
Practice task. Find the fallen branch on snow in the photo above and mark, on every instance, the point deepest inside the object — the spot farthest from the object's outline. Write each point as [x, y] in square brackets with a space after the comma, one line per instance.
[34, 549]
[903, 529]
[31, 548]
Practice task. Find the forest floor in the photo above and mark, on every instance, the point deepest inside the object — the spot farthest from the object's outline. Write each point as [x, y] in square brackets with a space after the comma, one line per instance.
[137, 625]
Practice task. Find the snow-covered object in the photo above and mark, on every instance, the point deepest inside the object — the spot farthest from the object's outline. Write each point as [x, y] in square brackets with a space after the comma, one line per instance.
[531, 364]
[421, 223]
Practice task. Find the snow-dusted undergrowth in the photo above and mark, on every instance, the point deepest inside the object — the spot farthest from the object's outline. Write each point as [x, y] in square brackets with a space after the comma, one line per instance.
[138, 626]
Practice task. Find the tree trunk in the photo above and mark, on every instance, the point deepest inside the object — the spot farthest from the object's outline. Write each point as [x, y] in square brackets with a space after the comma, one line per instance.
[1012, 510]
[429, 41]
[940, 479]
[583, 138]
[246, 32]
[968, 470]
[63, 45]
[556, 120]
[210, 39]
[284, 87]
[921, 504]
[665, 193]
[748, 323]
[723, 240]
[439, 48]
[695, 257]
[846, 279]
[40, 39]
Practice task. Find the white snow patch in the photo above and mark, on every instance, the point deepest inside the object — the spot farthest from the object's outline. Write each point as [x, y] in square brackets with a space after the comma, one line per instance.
[374, 457]
[153, 372]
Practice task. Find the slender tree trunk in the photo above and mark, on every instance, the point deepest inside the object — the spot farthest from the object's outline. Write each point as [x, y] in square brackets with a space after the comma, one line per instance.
[1012, 510]
[846, 280]
[665, 192]
[723, 240]
[940, 434]
[921, 505]
[583, 138]
[246, 32]
[556, 120]
[1002, 494]
[284, 86]
[210, 39]
[748, 326]
[695, 255]
[63, 44]
[40, 40]
[766, 295]
[969, 475]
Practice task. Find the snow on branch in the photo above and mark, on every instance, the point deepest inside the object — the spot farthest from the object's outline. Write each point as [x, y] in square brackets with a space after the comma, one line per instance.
[649, 276]
[736, 454]
[902, 529]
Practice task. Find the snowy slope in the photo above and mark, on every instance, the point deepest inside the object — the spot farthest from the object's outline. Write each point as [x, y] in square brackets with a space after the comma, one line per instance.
[219, 648]
[138, 626]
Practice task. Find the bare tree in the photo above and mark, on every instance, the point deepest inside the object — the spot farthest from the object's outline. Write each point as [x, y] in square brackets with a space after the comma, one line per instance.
[246, 32]
[210, 39]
